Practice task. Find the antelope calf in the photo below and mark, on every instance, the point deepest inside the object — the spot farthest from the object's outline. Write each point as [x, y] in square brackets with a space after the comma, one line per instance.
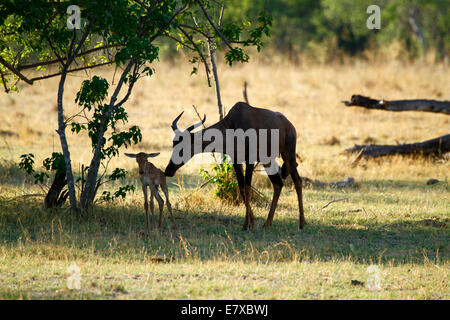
[152, 177]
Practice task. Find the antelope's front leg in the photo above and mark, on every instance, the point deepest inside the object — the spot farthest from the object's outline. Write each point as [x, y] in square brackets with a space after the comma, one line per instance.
[160, 203]
[241, 183]
[152, 209]
[247, 190]
[169, 206]
[144, 190]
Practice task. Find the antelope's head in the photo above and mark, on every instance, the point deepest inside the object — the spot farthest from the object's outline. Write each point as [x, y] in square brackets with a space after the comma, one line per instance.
[141, 159]
[182, 150]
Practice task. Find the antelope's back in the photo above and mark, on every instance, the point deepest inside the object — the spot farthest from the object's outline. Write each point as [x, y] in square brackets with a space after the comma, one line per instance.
[244, 116]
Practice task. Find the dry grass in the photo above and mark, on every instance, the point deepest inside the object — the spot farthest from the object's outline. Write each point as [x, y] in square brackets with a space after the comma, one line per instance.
[391, 218]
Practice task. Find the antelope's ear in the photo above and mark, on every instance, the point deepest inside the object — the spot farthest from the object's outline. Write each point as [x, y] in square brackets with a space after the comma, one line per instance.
[152, 155]
[131, 155]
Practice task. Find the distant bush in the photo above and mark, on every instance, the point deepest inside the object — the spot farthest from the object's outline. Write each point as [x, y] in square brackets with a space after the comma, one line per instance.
[333, 28]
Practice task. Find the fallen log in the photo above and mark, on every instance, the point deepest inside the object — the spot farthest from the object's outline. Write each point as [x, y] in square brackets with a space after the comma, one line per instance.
[400, 105]
[437, 146]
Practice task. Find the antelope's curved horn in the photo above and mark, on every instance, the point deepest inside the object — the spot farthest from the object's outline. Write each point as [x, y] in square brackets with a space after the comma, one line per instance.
[174, 123]
[196, 125]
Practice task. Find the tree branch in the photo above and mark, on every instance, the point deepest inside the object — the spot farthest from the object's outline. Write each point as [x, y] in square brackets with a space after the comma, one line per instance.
[4, 81]
[199, 52]
[194, 29]
[213, 25]
[60, 59]
[179, 41]
[15, 71]
[168, 23]
[69, 71]
[45, 63]
[130, 87]
[83, 38]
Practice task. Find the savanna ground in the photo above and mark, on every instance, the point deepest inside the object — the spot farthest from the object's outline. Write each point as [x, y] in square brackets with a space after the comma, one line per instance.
[391, 218]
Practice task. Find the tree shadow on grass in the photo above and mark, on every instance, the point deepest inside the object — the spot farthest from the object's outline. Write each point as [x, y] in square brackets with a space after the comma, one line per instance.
[383, 192]
[398, 242]
[115, 231]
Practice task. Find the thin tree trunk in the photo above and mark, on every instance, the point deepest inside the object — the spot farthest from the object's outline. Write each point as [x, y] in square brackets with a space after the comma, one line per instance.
[73, 51]
[216, 80]
[64, 146]
[412, 19]
[212, 51]
[90, 187]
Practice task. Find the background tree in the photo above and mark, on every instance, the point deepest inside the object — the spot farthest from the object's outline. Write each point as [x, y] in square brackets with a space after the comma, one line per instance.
[312, 26]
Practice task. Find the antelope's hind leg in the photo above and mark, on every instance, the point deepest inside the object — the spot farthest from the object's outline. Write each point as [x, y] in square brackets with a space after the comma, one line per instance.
[277, 184]
[298, 188]
[291, 165]
[169, 206]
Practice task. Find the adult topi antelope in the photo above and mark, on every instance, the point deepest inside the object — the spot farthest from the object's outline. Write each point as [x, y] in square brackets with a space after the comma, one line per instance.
[248, 122]
[152, 177]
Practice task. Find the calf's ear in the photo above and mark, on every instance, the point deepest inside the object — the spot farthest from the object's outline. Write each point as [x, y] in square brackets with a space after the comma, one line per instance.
[152, 155]
[131, 155]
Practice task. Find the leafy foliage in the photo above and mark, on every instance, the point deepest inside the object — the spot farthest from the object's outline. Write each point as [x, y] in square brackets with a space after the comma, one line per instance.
[340, 26]
[222, 175]
[92, 92]
[121, 192]
[90, 98]
[107, 196]
[53, 163]
[27, 163]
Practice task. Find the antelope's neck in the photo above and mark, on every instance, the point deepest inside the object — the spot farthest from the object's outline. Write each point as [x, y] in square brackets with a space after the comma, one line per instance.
[149, 167]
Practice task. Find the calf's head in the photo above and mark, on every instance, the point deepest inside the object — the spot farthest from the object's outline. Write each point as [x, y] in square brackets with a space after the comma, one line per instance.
[141, 159]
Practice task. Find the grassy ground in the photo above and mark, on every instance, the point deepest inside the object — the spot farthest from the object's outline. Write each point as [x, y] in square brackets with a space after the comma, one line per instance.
[391, 218]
